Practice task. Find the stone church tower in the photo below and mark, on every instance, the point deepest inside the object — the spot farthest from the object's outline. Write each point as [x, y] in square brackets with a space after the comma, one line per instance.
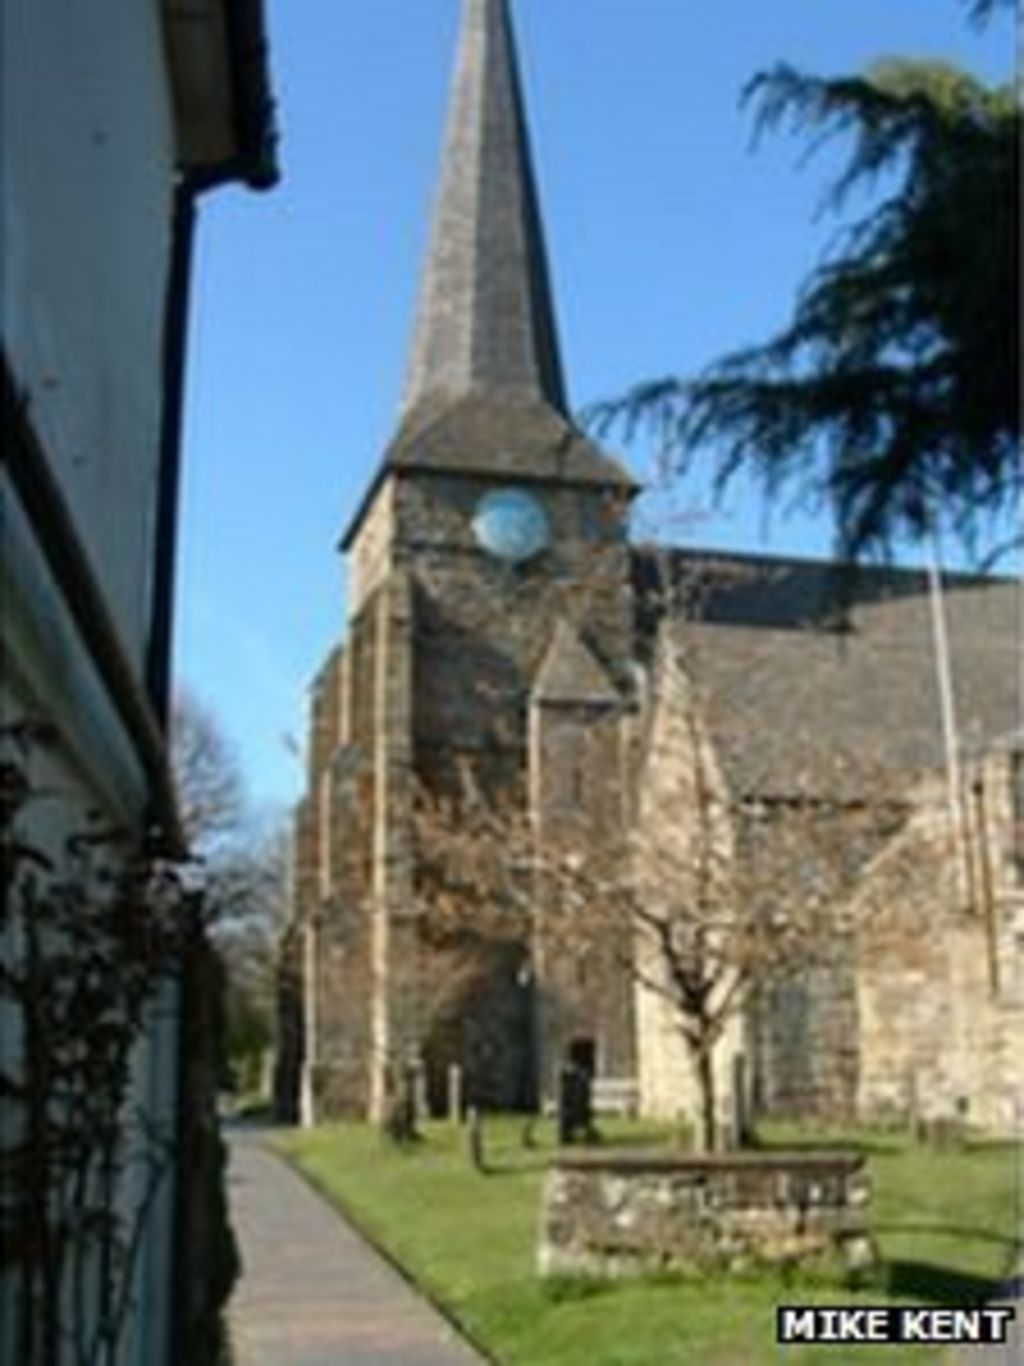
[488, 650]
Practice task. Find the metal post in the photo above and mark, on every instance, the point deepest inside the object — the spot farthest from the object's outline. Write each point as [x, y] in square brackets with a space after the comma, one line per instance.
[947, 703]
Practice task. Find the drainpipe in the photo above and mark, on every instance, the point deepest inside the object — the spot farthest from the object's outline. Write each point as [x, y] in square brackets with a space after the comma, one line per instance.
[158, 684]
[196, 1069]
[176, 312]
[960, 834]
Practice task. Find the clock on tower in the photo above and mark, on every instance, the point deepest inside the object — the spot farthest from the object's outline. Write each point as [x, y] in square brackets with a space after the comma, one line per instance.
[511, 525]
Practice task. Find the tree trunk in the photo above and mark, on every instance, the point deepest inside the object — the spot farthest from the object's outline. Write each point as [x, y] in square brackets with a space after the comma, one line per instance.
[708, 1132]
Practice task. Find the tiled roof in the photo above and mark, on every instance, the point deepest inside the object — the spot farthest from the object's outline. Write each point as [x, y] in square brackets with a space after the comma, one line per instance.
[502, 435]
[805, 697]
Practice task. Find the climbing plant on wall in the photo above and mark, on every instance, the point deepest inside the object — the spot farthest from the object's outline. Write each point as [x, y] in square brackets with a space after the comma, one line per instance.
[92, 931]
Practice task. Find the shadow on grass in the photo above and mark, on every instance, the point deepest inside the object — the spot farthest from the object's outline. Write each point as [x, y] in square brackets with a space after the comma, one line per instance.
[866, 1147]
[925, 1282]
[882, 1143]
[567, 1289]
[496, 1168]
[993, 1146]
[975, 1235]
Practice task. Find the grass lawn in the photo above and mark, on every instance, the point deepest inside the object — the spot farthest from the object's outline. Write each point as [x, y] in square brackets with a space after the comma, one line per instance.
[945, 1222]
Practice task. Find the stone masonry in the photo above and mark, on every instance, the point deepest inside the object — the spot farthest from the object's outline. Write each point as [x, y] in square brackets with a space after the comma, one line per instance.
[621, 1214]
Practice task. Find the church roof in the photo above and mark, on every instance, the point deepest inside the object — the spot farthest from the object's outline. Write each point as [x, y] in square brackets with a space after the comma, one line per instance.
[572, 674]
[505, 436]
[486, 319]
[804, 699]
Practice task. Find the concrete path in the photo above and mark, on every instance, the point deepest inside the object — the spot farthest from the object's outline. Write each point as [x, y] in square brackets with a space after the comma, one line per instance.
[312, 1292]
[1012, 1351]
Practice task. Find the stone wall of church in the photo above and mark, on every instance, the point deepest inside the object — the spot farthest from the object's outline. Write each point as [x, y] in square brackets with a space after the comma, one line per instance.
[344, 942]
[477, 1001]
[668, 1079]
[325, 717]
[940, 981]
[792, 858]
[912, 1005]
[355, 863]
[486, 623]
[332, 862]
[481, 629]
[803, 1035]
[580, 776]
[684, 853]
[804, 1022]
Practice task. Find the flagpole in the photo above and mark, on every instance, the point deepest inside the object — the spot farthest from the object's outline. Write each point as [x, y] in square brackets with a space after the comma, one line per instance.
[947, 704]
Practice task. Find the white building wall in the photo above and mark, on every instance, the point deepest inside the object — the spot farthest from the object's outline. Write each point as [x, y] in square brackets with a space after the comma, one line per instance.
[49, 675]
[88, 174]
[88, 164]
[67, 792]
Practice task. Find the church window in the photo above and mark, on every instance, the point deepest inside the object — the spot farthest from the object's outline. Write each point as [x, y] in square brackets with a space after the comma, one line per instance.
[567, 778]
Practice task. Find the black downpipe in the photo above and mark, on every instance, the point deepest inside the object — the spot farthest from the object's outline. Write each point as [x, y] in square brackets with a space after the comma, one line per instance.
[188, 1166]
[165, 554]
[204, 1257]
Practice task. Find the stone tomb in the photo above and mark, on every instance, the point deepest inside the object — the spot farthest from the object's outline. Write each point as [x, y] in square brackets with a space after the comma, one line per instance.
[628, 1213]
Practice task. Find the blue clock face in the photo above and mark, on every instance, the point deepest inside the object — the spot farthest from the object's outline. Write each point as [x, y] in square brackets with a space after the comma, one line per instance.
[511, 525]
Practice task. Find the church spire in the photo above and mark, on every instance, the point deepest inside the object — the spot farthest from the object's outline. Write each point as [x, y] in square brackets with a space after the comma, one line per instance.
[486, 320]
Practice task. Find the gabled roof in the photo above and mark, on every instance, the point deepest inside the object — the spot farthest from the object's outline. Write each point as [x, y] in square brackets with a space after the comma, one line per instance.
[571, 673]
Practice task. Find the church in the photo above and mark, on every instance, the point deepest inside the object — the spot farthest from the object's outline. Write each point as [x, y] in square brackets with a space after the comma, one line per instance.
[515, 671]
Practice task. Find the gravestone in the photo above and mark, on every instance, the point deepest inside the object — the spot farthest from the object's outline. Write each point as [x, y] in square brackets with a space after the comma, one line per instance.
[455, 1105]
[575, 1105]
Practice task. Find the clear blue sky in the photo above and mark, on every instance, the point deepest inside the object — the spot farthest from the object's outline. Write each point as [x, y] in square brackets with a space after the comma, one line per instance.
[671, 241]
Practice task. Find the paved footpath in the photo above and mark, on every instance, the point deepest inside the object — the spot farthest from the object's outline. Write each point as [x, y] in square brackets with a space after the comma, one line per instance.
[312, 1292]
[1012, 1352]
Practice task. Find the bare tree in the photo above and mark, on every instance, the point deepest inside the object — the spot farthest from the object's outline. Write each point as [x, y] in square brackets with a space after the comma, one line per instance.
[207, 776]
[245, 868]
[249, 892]
[713, 894]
